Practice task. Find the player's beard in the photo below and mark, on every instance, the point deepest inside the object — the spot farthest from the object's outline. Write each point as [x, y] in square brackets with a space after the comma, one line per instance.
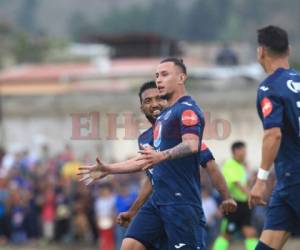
[151, 119]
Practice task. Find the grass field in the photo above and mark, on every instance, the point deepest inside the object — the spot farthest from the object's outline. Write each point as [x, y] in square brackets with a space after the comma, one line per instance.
[292, 244]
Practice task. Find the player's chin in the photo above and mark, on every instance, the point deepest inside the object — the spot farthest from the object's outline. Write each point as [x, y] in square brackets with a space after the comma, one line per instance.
[155, 113]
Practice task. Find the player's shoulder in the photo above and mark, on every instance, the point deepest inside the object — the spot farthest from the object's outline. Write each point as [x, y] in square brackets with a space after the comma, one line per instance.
[274, 81]
[188, 103]
[146, 135]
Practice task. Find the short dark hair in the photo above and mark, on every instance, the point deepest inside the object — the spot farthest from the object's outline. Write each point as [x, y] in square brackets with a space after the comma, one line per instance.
[145, 86]
[177, 61]
[237, 145]
[274, 38]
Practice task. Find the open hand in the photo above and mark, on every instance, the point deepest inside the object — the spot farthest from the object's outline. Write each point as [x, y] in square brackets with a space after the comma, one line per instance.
[94, 172]
[150, 157]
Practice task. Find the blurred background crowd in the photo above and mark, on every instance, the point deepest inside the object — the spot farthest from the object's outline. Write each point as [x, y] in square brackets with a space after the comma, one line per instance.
[42, 202]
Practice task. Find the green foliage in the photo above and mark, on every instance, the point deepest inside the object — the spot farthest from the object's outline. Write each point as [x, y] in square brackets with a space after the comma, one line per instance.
[21, 47]
[30, 49]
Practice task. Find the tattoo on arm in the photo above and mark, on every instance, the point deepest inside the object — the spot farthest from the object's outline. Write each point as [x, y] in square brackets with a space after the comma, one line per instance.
[181, 150]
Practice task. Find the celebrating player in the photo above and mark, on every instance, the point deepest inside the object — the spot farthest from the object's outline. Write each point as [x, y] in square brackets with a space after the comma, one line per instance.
[149, 98]
[278, 104]
[175, 204]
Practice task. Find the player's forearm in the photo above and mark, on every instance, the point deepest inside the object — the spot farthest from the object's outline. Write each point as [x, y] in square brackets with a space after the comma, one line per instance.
[270, 147]
[217, 179]
[183, 149]
[143, 195]
[128, 166]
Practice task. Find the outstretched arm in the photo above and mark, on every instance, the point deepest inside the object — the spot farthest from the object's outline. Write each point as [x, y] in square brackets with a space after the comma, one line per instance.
[124, 218]
[100, 170]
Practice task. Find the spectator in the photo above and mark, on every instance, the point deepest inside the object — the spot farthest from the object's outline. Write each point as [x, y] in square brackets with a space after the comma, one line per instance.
[226, 57]
[4, 195]
[104, 207]
[124, 200]
[48, 214]
[211, 212]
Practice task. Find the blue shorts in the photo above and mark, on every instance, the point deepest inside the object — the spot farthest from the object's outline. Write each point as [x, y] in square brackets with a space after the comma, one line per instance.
[169, 227]
[283, 212]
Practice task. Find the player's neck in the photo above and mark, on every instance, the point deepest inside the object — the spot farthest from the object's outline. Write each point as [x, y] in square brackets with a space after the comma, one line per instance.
[273, 65]
[238, 160]
[174, 98]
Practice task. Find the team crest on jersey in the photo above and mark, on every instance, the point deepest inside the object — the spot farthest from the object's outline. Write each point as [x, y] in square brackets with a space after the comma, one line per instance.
[266, 107]
[157, 134]
[167, 115]
[189, 118]
[293, 86]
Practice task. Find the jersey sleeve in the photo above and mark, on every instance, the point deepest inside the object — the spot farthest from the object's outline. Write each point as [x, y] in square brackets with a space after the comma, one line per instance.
[270, 108]
[205, 155]
[191, 121]
[140, 144]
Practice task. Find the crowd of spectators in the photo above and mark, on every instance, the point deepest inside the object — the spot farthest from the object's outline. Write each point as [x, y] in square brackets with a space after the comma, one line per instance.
[42, 200]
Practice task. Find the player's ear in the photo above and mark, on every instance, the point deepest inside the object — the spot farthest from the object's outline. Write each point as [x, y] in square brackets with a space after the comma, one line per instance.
[182, 78]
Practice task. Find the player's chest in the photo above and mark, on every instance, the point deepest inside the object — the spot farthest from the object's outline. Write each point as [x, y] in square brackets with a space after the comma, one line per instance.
[166, 129]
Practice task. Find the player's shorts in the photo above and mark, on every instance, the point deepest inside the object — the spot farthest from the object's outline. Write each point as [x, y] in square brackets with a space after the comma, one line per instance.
[283, 212]
[182, 225]
[235, 221]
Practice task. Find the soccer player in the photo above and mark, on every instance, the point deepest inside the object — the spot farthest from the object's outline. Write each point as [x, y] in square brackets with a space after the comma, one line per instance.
[149, 98]
[278, 104]
[175, 204]
[234, 171]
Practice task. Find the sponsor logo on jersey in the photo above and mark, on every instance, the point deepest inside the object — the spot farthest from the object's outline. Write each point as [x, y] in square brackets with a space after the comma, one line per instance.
[266, 107]
[293, 86]
[180, 245]
[157, 134]
[189, 118]
[264, 88]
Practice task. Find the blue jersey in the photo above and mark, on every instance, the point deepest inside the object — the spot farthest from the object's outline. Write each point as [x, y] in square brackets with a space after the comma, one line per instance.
[278, 104]
[146, 139]
[177, 181]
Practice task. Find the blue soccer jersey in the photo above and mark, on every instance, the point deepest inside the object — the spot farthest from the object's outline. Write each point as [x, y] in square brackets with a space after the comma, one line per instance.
[146, 139]
[177, 181]
[278, 104]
